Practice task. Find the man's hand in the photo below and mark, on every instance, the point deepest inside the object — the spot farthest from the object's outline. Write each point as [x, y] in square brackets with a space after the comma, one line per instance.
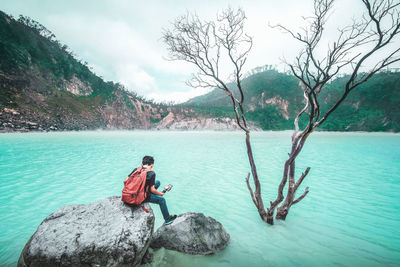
[155, 192]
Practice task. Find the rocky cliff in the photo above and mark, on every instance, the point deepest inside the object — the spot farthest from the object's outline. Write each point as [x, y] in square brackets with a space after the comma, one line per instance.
[177, 121]
[44, 87]
[273, 99]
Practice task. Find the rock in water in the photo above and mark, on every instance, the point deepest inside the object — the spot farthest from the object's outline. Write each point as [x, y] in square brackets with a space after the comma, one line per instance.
[192, 233]
[103, 233]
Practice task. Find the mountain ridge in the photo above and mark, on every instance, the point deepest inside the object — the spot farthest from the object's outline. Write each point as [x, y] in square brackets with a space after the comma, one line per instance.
[43, 87]
[273, 99]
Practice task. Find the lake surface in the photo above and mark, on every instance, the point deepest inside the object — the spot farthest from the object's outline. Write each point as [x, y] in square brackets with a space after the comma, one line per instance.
[351, 217]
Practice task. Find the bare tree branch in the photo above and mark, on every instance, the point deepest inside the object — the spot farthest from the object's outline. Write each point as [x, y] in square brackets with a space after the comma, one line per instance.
[251, 190]
[200, 43]
[301, 197]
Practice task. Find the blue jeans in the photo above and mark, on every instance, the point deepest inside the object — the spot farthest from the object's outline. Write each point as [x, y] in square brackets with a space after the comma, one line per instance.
[160, 201]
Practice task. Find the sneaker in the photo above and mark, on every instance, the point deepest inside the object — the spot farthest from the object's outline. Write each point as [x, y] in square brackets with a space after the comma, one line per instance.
[170, 219]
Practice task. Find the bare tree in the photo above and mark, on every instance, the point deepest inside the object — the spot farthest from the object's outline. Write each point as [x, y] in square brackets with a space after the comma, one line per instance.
[206, 44]
[355, 44]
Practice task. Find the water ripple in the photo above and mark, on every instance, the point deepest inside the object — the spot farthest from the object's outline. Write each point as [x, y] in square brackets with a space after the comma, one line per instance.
[351, 216]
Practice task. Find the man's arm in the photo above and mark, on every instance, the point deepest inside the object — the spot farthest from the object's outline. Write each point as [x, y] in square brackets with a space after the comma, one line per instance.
[155, 192]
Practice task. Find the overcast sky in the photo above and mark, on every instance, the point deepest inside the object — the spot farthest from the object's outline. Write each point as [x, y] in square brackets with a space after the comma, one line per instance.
[120, 39]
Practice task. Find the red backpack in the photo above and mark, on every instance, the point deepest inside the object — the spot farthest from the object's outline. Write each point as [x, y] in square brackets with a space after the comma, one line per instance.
[134, 191]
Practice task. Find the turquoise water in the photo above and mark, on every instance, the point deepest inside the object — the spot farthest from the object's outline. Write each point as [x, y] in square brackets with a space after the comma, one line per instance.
[350, 217]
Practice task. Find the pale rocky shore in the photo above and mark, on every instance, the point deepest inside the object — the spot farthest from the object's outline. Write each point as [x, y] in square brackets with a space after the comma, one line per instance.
[179, 122]
[11, 120]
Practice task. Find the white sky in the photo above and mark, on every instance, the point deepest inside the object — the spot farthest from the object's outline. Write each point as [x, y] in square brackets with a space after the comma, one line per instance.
[121, 39]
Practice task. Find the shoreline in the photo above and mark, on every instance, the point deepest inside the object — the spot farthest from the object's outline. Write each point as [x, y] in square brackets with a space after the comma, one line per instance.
[185, 131]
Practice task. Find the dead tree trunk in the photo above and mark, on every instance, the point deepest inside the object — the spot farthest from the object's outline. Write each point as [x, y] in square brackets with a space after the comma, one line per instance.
[202, 43]
[373, 33]
[256, 195]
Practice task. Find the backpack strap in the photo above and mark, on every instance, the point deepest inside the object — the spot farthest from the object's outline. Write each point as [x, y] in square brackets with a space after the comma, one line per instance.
[137, 170]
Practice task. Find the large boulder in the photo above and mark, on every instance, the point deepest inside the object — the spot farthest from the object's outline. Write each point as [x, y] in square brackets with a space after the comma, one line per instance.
[192, 233]
[103, 233]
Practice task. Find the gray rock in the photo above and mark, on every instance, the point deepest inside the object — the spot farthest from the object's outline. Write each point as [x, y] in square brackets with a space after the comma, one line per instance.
[103, 233]
[192, 233]
[148, 256]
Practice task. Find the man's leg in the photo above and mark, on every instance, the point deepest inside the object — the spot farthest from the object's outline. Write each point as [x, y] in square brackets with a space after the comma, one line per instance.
[163, 204]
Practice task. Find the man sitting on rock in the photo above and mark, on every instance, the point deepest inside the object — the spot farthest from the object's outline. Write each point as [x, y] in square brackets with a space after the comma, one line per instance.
[153, 196]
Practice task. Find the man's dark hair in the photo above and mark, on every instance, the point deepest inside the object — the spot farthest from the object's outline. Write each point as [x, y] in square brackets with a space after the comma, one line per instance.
[148, 160]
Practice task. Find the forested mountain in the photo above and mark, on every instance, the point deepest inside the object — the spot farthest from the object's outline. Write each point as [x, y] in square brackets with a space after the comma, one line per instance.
[273, 99]
[44, 87]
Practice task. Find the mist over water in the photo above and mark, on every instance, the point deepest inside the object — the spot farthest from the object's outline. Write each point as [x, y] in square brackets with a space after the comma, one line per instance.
[351, 215]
